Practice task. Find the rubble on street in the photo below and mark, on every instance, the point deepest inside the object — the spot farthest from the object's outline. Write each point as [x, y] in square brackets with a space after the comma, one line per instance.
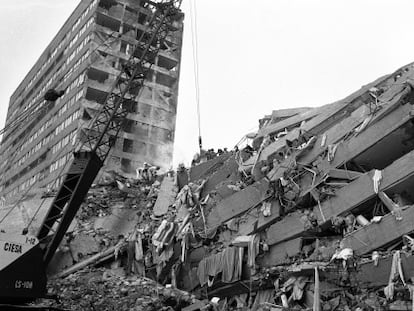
[110, 289]
[313, 213]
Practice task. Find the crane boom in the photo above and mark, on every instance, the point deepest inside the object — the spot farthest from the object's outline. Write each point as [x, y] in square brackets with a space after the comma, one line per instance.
[97, 140]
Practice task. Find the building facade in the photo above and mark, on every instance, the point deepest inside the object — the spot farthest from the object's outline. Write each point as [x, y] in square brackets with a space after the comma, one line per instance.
[84, 60]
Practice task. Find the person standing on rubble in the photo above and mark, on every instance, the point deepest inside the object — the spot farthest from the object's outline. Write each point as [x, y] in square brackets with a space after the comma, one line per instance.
[147, 173]
[181, 178]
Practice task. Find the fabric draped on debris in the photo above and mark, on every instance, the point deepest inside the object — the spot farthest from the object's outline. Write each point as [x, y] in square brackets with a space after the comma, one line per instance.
[228, 262]
[396, 274]
[376, 179]
[252, 244]
[164, 235]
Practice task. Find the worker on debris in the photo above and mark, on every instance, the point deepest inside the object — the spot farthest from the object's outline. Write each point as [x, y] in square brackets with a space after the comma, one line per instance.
[53, 95]
[181, 178]
[147, 173]
[199, 157]
[210, 154]
[196, 159]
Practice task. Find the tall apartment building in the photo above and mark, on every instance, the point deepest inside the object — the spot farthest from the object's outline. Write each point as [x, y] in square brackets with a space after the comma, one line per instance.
[84, 59]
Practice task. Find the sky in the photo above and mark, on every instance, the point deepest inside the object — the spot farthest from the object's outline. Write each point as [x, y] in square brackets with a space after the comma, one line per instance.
[253, 57]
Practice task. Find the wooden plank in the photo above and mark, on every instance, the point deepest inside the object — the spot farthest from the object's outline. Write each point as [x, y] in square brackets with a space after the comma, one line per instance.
[345, 199]
[108, 253]
[373, 236]
[238, 203]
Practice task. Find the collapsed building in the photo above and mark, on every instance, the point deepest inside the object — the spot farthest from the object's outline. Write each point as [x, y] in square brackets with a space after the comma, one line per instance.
[315, 214]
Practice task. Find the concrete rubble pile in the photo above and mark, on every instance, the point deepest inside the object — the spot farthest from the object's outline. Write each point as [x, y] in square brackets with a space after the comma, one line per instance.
[313, 213]
[109, 289]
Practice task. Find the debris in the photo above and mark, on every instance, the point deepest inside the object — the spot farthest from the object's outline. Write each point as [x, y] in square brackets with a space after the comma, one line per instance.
[165, 197]
[91, 260]
[316, 214]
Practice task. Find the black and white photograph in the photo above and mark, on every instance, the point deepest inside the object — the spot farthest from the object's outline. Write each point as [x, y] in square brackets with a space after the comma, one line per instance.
[206, 155]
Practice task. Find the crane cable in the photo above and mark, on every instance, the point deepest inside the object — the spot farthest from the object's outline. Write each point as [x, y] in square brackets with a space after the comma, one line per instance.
[194, 43]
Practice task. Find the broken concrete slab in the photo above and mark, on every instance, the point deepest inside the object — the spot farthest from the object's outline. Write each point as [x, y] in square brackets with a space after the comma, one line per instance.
[238, 203]
[372, 135]
[346, 151]
[166, 196]
[120, 222]
[335, 133]
[349, 149]
[255, 221]
[294, 121]
[323, 117]
[345, 199]
[347, 125]
[279, 254]
[371, 275]
[201, 170]
[228, 171]
[375, 235]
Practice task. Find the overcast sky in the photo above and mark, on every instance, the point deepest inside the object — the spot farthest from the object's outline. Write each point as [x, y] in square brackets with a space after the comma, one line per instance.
[254, 56]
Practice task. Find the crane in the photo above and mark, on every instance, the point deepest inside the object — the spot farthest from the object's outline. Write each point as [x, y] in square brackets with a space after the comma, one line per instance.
[24, 258]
